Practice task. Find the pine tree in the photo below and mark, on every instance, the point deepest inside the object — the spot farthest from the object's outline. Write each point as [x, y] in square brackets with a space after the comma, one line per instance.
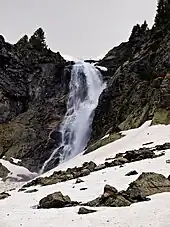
[144, 27]
[37, 40]
[23, 41]
[163, 14]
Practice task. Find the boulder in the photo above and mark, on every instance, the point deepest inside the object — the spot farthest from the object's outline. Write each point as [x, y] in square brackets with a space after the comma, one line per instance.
[83, 210]
[78, 181]
[55, 200]
[133, 172]
[149, 184]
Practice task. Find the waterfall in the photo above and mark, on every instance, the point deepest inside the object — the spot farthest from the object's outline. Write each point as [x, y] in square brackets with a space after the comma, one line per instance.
[85, 87]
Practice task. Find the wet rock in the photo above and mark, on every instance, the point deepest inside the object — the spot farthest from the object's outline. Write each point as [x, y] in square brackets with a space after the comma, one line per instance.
[83, 210]
[4, 195]
[133, 172]
[55, 200]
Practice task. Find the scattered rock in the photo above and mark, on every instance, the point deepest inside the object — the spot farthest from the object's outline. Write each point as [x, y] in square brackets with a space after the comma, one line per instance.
[99, 167]
[88, 167]
[137, 155]
[147, 184]
[133, 172]
[22, 189]
[168, 161]
[78, 181]
[4, 195]
[31, 191]
[82, 189]
[145, 144]
[165, 146]
[56, 200]
[83, 210]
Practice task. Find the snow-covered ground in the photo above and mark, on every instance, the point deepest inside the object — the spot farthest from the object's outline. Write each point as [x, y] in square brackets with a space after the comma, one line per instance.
[17, 210]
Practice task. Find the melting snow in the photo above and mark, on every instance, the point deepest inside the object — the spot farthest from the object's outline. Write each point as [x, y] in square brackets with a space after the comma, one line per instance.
[17, 210]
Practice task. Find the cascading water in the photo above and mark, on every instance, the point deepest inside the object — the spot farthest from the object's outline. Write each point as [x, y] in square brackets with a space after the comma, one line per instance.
[86, 85]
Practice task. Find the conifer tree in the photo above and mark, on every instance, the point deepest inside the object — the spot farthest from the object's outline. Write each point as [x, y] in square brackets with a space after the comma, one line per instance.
[163, 14]
[37, 40]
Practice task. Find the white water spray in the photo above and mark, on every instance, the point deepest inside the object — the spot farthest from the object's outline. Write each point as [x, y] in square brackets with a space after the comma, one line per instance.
[86, 85]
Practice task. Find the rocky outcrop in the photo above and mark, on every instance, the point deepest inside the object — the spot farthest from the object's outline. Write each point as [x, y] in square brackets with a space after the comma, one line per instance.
[56, 200]
[147, 184]
[138, 83]
[88, 167]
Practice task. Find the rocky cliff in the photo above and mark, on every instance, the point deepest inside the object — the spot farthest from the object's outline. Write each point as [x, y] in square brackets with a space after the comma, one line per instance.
[138, 82]
[33, 90]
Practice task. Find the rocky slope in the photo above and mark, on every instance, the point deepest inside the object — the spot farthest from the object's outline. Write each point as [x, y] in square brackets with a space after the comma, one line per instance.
[33, 90]
[138, 83]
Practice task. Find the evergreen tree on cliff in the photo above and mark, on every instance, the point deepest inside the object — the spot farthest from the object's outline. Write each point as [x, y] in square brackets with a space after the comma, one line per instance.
[37, 40]
[163, 14]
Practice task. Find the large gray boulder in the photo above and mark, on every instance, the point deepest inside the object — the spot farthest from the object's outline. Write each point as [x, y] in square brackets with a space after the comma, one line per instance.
[149, 184]
[56, 200]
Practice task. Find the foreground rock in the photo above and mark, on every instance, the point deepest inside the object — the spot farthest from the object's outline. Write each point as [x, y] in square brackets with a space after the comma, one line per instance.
[147, 184]
[88, 167]
[83, 210]
[56, 200]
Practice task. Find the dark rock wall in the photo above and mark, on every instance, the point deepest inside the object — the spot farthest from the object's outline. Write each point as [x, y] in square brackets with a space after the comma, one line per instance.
[33, 94]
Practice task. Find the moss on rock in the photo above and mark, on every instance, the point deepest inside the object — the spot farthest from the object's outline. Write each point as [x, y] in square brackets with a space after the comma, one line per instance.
[161, 116]
[100, 143]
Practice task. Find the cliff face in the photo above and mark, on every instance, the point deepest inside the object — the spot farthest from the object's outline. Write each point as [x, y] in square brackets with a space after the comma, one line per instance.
[138, 83]
[33, 92]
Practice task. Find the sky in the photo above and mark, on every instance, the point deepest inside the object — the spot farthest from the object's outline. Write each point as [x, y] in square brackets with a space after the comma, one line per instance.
[80, 28]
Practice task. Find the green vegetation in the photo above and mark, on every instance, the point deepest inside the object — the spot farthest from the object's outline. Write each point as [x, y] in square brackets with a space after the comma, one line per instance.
[161, 116]
[100, 143]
